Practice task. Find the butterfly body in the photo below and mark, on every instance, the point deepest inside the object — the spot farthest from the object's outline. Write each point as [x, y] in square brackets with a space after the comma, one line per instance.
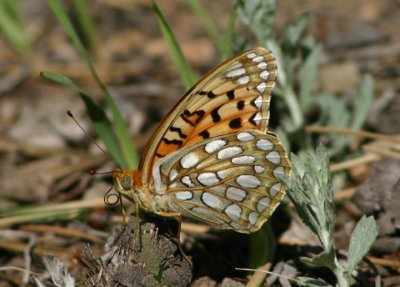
[213, 157]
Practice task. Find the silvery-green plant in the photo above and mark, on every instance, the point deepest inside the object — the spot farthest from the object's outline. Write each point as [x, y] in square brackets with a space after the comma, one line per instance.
[310, 190]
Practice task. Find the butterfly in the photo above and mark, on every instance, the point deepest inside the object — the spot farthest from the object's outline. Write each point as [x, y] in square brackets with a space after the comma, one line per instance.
[213, 158]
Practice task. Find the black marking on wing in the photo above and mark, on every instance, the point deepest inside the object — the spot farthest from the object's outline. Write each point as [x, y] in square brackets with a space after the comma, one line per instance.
[230, 94]
[253, 102]
[251, 119]
[205, 134]
[186, 116]
[179, 131]
[235, 123]
[211, 95]
[175, 142]
[214, 114]
[240, 105]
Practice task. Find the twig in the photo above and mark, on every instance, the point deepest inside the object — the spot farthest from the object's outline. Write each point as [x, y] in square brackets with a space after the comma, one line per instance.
[387, 151]
[63, 231]
[46, 211]
[367, 158]
[360, 134]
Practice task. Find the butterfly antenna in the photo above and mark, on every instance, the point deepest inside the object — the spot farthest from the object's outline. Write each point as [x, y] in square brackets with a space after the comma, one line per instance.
[109, 195]
[69, 113]
[94, 172]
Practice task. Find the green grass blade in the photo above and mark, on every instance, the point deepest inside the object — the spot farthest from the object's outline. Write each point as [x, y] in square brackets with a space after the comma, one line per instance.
[62, 17]
[11, 25]
[62, 80]
[85, 21]
[205, 19]
[121, 129]
[103, 128]
[12, 9]
[262, 250]
[228, 37]
[100, 120]
[185, 71]
[124, 138]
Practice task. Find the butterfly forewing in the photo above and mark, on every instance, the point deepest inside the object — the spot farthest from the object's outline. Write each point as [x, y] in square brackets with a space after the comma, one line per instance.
[230, 181]
[233, 97]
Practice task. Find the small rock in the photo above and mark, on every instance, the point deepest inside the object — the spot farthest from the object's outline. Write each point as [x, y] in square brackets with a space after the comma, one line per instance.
[339, 77]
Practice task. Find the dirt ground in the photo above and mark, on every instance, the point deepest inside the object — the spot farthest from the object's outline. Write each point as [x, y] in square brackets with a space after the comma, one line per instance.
[45, 157]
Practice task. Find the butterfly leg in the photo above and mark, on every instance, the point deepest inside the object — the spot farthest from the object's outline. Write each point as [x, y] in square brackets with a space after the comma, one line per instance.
[137, 241]
[178, 235]
[137, 245]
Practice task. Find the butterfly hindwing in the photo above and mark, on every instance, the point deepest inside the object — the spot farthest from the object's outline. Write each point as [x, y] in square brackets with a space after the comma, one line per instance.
[231, 181]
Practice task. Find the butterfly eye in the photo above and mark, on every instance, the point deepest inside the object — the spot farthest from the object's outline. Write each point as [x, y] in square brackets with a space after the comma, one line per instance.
[126, 183]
